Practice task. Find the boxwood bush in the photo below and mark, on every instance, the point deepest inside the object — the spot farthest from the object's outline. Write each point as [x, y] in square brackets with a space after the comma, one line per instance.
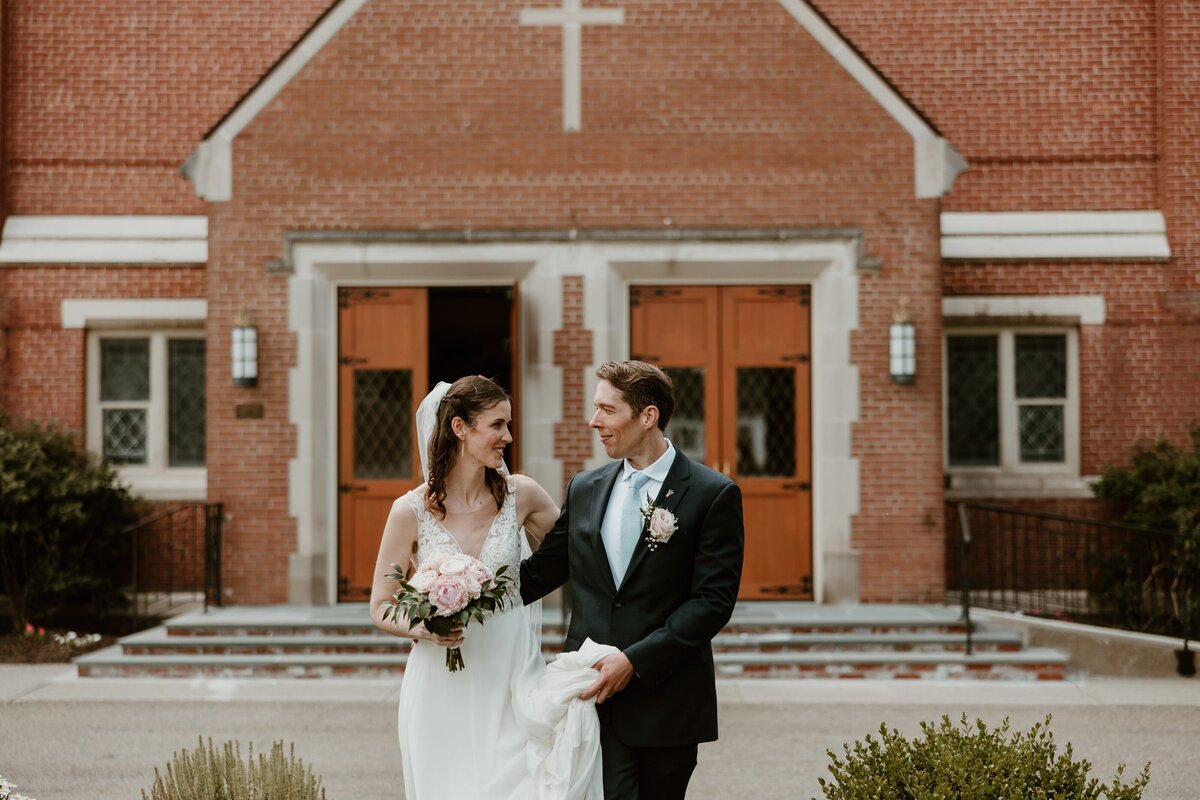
[969, 762]
[63, 517]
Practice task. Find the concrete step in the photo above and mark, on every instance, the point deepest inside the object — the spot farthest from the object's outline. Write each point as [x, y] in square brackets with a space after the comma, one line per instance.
[159, 641]
[762, 640]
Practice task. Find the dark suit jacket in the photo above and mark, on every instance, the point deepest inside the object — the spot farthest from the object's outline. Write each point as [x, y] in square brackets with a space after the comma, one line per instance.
[671, 603]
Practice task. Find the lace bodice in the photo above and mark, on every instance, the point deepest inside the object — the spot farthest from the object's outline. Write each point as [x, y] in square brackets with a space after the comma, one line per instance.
[501, 547]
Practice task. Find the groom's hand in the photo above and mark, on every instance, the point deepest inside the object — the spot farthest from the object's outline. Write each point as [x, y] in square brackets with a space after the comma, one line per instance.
[615, 673]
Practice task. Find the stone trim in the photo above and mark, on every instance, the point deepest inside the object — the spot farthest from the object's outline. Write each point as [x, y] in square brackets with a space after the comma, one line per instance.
[76, 239]
[1086, 309]
[1022, 235]
[605, 271]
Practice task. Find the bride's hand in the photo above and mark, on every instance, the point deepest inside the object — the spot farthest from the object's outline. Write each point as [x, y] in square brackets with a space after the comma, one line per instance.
[453, 639]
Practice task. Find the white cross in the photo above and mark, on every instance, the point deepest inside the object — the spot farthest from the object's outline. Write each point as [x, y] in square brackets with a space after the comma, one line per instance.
[572, 17]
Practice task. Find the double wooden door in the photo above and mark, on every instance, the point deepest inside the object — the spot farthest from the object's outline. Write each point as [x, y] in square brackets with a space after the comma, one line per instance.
[740, 360]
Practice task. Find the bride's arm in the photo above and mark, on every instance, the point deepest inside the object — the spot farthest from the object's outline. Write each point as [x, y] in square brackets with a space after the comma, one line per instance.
[399, 546]
[536, 510]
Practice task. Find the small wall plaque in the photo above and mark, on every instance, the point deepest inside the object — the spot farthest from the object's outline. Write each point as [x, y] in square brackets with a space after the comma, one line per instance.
[249, 410]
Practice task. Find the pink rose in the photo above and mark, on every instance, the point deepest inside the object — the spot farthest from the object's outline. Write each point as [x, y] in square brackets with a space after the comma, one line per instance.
[662, 525]
[449, 593]
[480, 573]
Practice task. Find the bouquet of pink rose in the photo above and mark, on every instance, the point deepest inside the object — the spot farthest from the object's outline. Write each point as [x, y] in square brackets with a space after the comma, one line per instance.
[446, 592]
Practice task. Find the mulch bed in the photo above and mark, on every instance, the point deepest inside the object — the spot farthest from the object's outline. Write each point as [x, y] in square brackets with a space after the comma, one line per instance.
[17, 648]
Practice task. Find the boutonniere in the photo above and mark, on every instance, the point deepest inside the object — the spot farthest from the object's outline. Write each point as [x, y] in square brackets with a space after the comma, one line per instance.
[660, 525]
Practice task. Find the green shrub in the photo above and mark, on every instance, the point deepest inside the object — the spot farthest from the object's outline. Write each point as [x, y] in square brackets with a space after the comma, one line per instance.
[1160, 490]
[62, 521]
[210, 774]
[969, 763]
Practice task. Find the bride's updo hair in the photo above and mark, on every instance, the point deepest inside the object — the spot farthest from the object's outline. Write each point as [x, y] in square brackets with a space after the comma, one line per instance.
[467, 398]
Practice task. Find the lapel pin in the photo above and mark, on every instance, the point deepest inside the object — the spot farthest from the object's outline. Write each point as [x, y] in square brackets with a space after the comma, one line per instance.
[670, 492]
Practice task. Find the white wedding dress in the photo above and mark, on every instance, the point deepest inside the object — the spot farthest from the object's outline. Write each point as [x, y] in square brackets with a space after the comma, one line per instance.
[505, 727]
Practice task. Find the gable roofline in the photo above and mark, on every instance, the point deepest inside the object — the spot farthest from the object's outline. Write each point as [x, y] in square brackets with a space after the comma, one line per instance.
[210, 166]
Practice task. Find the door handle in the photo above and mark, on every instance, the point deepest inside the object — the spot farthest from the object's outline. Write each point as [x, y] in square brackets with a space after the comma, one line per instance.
[347, 488]
[801, 486]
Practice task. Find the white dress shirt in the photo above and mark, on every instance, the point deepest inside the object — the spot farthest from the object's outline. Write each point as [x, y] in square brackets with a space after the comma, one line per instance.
[610, 528]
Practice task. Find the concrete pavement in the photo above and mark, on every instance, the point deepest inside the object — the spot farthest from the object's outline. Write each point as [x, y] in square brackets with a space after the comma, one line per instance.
[63, 738]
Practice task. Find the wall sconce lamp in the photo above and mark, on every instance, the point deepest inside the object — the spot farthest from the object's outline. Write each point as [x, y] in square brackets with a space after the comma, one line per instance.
[244, 355]
[903, 349]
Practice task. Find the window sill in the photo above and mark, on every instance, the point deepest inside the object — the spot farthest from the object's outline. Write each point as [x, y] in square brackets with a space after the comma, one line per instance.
[179, 484]
[973, 484]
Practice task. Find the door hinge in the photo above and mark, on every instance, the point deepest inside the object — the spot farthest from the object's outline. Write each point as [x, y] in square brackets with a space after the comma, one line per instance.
[351, 488]
[783, 589]
[345, 296]
[798, 358]
[798, 293]
[350, 361]
[636, 293]
[799, 486]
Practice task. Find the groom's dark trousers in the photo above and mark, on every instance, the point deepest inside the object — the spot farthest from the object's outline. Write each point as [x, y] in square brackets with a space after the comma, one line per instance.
[664, 614]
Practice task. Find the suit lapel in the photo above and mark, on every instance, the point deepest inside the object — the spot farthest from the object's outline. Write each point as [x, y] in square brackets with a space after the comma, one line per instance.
[669, 497]
[602, 486]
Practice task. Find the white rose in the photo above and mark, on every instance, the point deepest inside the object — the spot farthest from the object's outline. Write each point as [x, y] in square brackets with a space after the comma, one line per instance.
[423, 579]
[662, 524]
[457, 564]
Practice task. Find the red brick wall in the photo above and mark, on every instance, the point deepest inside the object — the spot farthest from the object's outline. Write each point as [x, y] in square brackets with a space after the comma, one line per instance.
[1053, 104]
[740, 122]
[108, 98]
[573, 355]
[44, 372]
[456, 123]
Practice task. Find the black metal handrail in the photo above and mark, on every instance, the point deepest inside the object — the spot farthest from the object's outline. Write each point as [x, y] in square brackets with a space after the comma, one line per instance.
[1086, 570]
[176, 559]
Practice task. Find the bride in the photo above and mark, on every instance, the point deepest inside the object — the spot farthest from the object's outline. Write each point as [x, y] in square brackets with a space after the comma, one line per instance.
[502, 728]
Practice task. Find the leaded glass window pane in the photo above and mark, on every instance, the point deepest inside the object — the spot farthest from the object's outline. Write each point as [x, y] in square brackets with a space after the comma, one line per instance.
[686, 428]
[125, 435]
[973, 402]
[383, 410]
[1042, 437]
[1041, 365]
[185, 402]
[124, 369]
[766, 422]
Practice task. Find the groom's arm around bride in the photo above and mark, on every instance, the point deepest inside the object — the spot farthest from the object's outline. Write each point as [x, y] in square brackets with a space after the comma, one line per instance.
[658, 595]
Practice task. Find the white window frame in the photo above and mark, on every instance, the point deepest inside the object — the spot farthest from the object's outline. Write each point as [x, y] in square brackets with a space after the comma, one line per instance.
[154, 480]
[1011, 475]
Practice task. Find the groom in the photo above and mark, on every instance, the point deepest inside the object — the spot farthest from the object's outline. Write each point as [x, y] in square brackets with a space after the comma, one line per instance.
[658, 596]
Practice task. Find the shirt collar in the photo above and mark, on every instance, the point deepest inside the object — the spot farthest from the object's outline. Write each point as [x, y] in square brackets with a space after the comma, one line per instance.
[656, 471]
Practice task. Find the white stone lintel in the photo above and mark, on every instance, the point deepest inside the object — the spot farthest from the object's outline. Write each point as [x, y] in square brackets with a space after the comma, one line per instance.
[1088, 309]
[108, 312]
[105, 239]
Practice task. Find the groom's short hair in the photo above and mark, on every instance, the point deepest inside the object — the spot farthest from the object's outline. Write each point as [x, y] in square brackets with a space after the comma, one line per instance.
[641, 385]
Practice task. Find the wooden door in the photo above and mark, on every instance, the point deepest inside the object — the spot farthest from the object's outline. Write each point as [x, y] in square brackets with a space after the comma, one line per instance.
[382, 376]
[739, 357]
[765, 396]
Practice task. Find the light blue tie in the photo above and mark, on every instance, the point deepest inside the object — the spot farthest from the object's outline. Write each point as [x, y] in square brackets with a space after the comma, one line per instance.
[632, 522]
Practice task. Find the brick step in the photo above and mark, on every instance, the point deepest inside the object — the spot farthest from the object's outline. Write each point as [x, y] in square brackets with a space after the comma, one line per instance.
[1032, 664]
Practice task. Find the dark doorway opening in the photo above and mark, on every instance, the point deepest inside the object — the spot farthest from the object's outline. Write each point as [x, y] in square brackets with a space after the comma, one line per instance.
[471, 332]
